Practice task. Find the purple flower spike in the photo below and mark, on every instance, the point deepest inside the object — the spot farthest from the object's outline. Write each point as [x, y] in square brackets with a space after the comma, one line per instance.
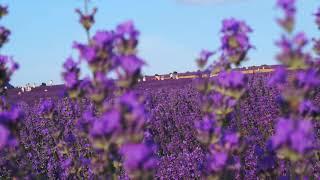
[235, 41]
[288, 6]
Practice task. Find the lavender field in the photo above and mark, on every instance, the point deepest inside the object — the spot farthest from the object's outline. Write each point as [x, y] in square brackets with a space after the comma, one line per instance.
[223, 123]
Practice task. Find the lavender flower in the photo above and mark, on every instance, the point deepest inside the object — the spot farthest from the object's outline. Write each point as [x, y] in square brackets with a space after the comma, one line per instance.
[295, 135]
[138, 156]
[127, 30]
[203, 59]
[111, 124]
[87, 20]
[220, 97]
[217, 161]
[131, 64]
[46, 108]
[307, 80]
[108, 124]
[235, 41]
[308, 109]
[279, 78]
[4, 35]
[292, 54]
[71, 78]
[9, 119]
[232, 80]
[288, 6]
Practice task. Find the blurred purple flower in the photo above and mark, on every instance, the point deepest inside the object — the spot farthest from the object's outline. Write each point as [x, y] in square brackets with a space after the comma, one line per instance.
[292, 54]
[203, 59]
[279, 78]
[4, 136]
[8, 126]
[205, 54]
[8, 66]
[232, 80]
[4, 35]
[138, 157]
[205, 125]
[87, 52]
[103, 39]
[131, 64]
[71, 79]
[131, 102]
[300, 40]
[316, 46]
[87, 20]
[70, 64]
[265, 160]
[11, 116]
[288, 6]
[297, 43]
[46, 107]
[302, 138]
[66, 163]
[283, 129]
[308, 80]
[295, 134]
[127, 30]
[308, 108]
[234, 26]
[235, 41]
[217, 161]
[231, 140]
[3, 11]
[107, 124]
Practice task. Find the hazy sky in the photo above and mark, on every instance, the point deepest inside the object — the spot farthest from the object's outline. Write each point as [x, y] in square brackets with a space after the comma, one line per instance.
[172, 31]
